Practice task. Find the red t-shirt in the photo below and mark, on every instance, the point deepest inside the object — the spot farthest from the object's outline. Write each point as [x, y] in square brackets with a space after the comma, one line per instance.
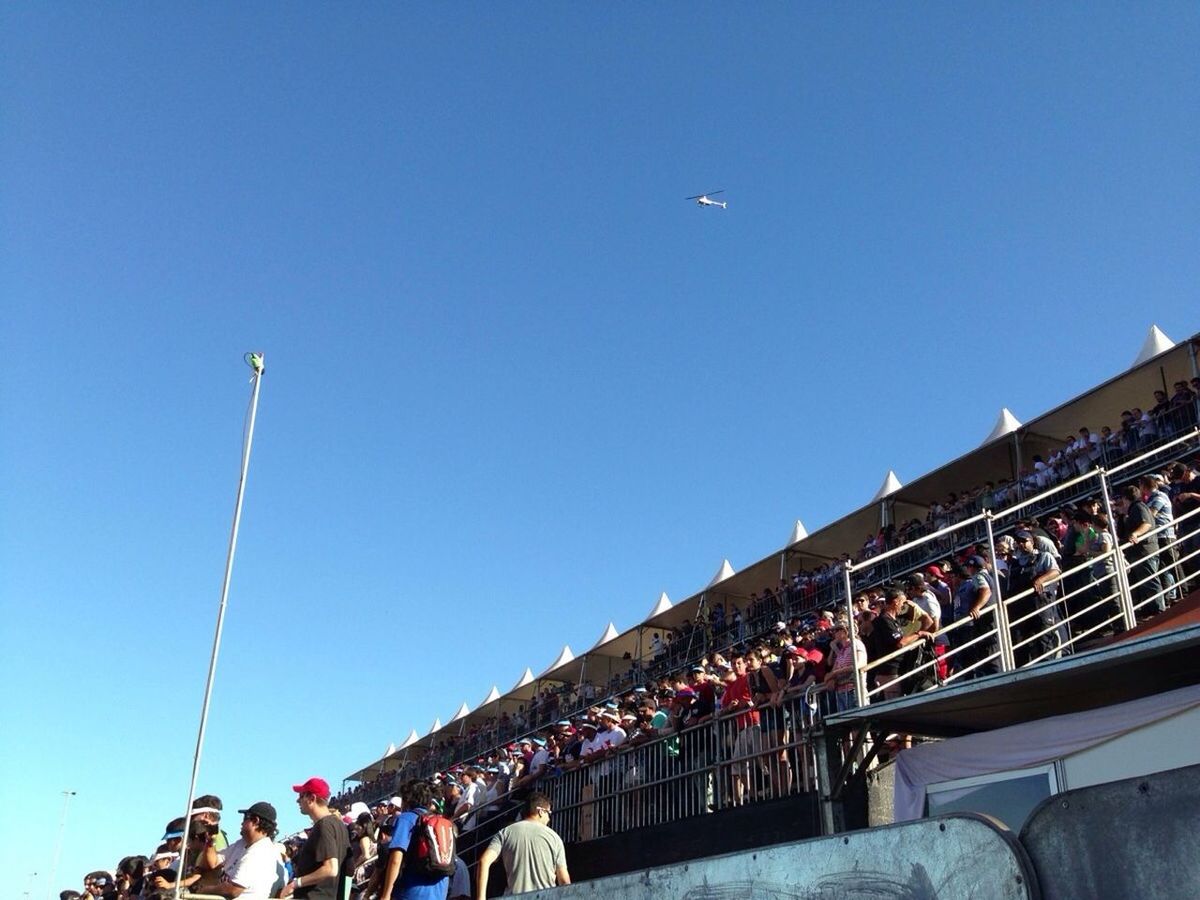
[739, 690]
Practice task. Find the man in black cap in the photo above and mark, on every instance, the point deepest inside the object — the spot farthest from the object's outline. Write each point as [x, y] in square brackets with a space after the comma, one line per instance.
[251, 866]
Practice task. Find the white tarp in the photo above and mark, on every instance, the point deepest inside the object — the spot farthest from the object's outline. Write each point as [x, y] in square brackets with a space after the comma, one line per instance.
[463, 710]
[525, 679]
[410, 740]
[436, 726]
[1028, 744]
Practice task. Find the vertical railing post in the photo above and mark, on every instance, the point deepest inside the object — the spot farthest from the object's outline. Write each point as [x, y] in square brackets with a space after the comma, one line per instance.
[1124, 594]
[860, 683]
[1003, 632]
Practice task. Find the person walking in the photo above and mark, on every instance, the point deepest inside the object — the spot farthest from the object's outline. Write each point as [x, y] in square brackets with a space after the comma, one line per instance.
[534, 855]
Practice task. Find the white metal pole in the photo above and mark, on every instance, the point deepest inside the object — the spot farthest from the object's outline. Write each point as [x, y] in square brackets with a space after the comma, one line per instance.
[62, 824]
[255, 360]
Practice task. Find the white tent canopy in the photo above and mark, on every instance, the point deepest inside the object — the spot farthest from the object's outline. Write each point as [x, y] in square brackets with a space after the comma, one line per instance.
[610, 633]
[492, 696]
[663, 604]
[890, 485]
[1094, 408]
[463, 710]
[724, 571]
[799, 533]
[1006, 423]
[389, 751]
[564, 657]
[1156, 342]
[437, 726]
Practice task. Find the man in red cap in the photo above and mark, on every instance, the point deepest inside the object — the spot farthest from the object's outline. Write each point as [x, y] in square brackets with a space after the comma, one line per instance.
[319, 864]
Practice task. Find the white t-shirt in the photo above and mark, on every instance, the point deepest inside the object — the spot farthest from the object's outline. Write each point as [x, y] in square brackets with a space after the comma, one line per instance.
[539, 761]
[473, 794]
[926, 602]
[253, 867]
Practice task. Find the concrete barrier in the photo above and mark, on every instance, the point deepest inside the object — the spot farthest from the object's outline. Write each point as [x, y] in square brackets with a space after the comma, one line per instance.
[946, 858]
[1137, 839]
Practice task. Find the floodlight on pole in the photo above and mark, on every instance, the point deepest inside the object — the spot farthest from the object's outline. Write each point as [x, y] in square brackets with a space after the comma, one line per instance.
[255, 362]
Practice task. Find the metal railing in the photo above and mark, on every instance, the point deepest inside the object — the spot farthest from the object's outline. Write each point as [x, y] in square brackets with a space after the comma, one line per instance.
[1110, 590]
[723, 762]
[975, 649]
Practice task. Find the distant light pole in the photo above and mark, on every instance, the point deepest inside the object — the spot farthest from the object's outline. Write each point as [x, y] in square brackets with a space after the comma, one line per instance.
[62, 824]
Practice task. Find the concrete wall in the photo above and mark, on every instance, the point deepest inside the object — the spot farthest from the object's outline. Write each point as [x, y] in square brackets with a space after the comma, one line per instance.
[935, 859]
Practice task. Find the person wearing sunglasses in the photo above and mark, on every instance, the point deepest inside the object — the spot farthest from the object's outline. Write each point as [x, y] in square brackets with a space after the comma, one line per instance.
[533, 853]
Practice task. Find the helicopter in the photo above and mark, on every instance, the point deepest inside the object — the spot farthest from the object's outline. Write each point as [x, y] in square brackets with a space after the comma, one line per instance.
[703, 199]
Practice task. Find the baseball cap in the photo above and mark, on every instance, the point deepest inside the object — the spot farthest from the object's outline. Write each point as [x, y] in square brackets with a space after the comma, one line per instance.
[1023, 534]
[396, 802]
[977, 562]
[318, 787]
[262, 810]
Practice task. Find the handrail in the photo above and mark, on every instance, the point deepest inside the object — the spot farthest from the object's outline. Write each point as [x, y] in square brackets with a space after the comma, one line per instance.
[866, 565]
[1181, 439]
[916, 542]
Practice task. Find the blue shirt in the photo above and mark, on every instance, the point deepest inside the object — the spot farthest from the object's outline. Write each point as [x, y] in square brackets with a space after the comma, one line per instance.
[410, 886]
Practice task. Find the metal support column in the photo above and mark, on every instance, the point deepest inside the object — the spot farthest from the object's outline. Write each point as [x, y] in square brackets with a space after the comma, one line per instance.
[1003, 632]
[860, 683]
[1123, 592]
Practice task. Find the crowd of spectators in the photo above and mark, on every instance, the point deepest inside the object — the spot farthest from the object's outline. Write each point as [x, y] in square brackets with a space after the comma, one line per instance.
[946, 573]
[745, 664]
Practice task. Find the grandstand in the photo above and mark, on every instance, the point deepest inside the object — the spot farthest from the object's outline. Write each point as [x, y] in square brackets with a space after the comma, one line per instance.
[1021, 473]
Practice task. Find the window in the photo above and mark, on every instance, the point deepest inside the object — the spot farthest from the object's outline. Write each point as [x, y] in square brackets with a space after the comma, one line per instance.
[1007, 796]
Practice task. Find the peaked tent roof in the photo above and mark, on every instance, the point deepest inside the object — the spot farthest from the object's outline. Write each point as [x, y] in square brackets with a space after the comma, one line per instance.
[725, 571]
[890, 485]
[437, 726]
[390, 750]
[412, 738]
[799, 533]
[663, 604]
[610, 633]
[463, 710]
[492, 696]
[1156, 342]
[565, 656]
[1095, 407]
[1007, 423]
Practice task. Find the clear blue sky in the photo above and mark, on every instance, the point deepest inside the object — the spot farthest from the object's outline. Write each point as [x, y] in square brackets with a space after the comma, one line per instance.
[516, 385]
